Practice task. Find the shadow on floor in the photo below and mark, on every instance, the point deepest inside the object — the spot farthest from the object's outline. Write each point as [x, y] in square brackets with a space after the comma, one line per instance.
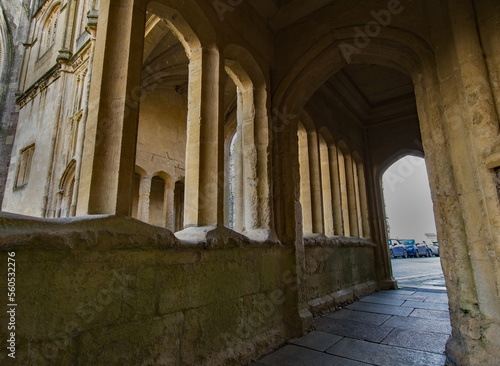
[406, 327]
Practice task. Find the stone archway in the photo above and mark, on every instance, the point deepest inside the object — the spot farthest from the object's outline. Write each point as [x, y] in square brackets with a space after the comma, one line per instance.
[445, 128]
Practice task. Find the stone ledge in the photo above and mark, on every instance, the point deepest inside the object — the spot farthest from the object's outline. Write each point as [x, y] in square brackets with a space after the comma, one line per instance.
[104, 232]
[336, 241]
[221, 237]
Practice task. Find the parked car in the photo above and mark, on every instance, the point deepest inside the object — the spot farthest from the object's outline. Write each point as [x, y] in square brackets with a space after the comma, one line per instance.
[422, 250]
[415, 249]
[397, 249]
[409, 246]
[434, 248]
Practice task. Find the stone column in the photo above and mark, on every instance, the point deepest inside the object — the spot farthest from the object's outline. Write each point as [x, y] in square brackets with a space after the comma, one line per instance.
[305, 182]
[169, 206]
[246, 113]
[315, 176]
[204, 198]
[344, 198]
[238, 187]
[262, 130]
[471, 245]
[364, 201]
[336, 194]
[351, 194]
[357, 193]
[83, 122]
[111, 131]
[326, 183]
[144, 198]
[377, 223]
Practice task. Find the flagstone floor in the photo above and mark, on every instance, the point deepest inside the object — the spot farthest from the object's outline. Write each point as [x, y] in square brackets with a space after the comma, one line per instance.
[406, 327]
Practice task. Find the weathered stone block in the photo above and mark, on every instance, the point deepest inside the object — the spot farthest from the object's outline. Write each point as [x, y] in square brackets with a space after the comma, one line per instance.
[154, 341]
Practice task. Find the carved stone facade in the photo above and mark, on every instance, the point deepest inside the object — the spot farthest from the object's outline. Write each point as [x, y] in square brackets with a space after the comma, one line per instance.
[14, 24]
[257, 132]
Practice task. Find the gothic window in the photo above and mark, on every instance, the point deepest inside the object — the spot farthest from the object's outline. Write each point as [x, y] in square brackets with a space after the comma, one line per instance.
[84, 9]
[24, 166]
[49, 31]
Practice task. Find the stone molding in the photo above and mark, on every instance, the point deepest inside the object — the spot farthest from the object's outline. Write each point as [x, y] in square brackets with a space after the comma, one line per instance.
[53, 74]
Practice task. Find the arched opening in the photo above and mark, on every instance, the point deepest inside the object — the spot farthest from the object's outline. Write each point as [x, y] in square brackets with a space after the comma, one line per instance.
[246, 120]
[241, 169]
[163, 115]
[370, 106]
[410, 218]
[157, 202]
[66, 188]
[233, 190]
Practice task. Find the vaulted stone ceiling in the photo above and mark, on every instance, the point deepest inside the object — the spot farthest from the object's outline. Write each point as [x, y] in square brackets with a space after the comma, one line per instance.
[371, 95]
[282, 13]
[166, 64]
[165, 60]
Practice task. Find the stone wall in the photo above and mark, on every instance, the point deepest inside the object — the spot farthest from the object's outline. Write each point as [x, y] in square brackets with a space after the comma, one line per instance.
[39, 119]
[337, 271]
[110, 291]
[13, 30]
[161, 145]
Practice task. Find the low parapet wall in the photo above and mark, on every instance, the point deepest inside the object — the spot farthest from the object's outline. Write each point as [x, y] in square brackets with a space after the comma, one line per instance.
[115, 291]
[338, 271]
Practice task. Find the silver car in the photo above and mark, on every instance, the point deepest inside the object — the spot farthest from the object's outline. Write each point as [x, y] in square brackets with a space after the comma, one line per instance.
[434, 248]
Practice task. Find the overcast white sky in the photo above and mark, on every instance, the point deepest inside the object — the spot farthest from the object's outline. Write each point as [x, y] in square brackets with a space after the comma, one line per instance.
[408, 199]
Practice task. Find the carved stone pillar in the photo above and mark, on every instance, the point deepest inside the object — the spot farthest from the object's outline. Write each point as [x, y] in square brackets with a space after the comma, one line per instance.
[111, 130]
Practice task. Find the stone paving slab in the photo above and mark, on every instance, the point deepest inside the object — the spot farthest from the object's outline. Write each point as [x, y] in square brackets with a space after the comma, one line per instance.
[381, 309]
[382, 329]
[414, 297]
[318, 341]
[430, 342]
[299, 356]
[352, 329]
[420, 324]
[399, 292]
[382, 300]
[384, 355]
[437, 298]
[426, 305]
[431, 314]
[360, 316]
[424, 287]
